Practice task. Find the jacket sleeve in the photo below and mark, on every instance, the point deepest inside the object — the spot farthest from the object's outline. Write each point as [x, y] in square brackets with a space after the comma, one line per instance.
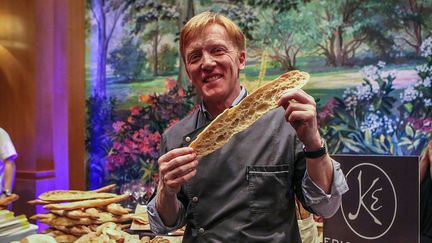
[322, 203]
[313, 198]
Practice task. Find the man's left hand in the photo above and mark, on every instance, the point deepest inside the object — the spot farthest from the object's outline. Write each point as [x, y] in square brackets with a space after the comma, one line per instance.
[300, 111]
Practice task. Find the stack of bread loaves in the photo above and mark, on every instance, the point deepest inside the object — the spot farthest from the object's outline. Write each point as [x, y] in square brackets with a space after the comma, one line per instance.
[75, 213]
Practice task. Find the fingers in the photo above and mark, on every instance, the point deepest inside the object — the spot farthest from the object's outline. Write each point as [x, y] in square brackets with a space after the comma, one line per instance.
[298, 95]
[300, 112]
[177, 167]
[179, 181]
[175, 153]
[181, 171]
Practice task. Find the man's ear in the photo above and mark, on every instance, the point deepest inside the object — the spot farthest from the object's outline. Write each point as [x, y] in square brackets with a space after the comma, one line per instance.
[242, 60]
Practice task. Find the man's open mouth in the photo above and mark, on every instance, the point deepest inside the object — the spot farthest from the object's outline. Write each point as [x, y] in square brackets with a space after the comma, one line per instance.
[212, 78]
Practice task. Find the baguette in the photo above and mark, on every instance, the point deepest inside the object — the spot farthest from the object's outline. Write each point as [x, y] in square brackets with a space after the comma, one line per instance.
[249, 110]
[86, 204]
[73, 195]
[105, 188]
[37, 201]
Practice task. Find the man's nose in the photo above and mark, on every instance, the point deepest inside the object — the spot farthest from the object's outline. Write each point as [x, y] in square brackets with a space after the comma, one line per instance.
[207, 62]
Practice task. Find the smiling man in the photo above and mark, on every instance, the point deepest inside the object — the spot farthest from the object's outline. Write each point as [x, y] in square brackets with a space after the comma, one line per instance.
[243, 192]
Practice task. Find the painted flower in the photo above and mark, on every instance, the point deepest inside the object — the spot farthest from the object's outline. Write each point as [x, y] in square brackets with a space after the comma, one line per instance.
[427, 82]
[181, 92]
[428, 102]
[135, 110]
[410, 94]
[173, 122]
[372, 72]
[118, 126]
[373, 122]
[365, 92]
[423, 124]
[146, 99]
[426, 47]
[170, 84]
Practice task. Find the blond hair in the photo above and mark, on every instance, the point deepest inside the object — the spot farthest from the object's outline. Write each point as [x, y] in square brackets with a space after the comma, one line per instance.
[199, 22]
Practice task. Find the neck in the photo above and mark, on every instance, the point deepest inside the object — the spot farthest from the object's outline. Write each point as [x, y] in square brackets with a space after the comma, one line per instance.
[215, 107]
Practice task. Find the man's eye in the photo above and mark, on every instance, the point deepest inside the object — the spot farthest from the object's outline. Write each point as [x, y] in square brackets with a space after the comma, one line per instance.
[218, 50]
[193, 58]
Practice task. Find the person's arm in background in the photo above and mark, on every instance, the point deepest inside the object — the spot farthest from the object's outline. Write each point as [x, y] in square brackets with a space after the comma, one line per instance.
[425, 160]
[7, 157]
[9, 175]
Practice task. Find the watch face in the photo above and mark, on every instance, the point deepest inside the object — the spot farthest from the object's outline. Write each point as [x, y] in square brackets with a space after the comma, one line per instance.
[7, 192]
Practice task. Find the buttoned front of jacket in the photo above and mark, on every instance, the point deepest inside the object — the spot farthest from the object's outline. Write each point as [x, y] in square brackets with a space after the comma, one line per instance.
[244, 191]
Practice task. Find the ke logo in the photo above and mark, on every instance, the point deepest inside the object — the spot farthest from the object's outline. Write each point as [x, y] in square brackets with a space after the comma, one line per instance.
[369, 207]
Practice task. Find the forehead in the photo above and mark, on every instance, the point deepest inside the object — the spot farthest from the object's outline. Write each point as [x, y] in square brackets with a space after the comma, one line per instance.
[213, 34]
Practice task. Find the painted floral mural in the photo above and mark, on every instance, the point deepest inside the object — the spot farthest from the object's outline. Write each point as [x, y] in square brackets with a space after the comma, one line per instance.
[370, 63]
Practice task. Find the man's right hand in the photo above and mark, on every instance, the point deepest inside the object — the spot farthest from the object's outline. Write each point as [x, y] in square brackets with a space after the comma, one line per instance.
[176, 167]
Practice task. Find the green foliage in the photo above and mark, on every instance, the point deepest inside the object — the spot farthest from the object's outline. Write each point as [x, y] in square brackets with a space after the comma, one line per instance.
[167, 59]
[276, 5]
[127, 60]
[243, 15]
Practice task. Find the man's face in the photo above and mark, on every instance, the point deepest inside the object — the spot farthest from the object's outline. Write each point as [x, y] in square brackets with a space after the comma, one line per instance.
[213, 64]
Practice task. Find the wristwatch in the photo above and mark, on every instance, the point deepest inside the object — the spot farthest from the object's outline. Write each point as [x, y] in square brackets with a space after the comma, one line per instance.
[317, 153]
[7, 192]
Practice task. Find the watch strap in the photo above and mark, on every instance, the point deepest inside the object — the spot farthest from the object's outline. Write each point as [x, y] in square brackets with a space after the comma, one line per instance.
[316, 153]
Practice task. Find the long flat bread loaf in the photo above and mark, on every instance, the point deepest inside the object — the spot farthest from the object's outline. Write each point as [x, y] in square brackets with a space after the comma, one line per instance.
[73, 195]
[87, 203]
[249, 110]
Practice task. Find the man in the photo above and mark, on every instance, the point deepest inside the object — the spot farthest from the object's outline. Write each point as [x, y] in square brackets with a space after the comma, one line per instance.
[244, 191]
[7, 164]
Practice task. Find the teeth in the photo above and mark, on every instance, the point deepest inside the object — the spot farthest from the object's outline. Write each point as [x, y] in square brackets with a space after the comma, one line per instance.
[212, 78]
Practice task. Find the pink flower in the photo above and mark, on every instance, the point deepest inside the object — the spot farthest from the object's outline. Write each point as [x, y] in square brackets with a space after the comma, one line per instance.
[135, 110]
[154, 137]
[181, 92]
[170, 84]
[145, 147]
[118, 126]
[130, 144]
[327, 110]
[173, 122]
[136, 136]
[115, 160]
[117, 145]
[423, 124]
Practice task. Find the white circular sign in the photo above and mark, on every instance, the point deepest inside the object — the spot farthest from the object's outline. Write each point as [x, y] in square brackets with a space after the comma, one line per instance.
[369, 207]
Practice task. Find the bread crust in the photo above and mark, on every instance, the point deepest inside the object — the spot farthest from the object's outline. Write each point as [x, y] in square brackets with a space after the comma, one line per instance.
[73, 195]
[249, 110]
[86, 204]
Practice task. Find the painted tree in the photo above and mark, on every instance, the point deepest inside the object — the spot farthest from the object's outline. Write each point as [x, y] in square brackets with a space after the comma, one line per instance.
[127, 60]
[285, 40]
[338, 26]
[273, 25]
[186, 10]
[150, 13]
[414, 20]
[106, 15]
